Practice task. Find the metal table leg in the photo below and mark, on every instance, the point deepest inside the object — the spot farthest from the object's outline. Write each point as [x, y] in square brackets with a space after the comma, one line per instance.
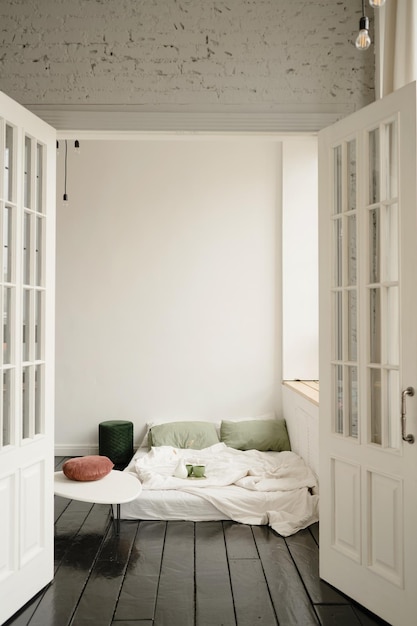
[116, 520]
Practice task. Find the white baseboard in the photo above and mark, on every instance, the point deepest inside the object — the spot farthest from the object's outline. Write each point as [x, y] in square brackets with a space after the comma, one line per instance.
[76, 449]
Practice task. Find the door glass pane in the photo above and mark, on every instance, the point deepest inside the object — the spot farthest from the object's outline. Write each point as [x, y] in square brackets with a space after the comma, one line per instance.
[7, 324]
[38, 325]
[338, 248]
[375, 325]
[38, 399]
[38, 256]
[393, 409]
[352, 260]
[6, 407]
[23, 284]
[26, 325]
[338, 343]
[351, 157]
[374, 246]
[393, 326]
[25, 403]
[337, 165]
[391, 242]
[353, 401]
[391, 161]
[8, 164]
[26, 248]
[352, 325]
[39, 178]
[27, 173]
[374, 170]
[338, 398]
[7, 244]
[376, 405]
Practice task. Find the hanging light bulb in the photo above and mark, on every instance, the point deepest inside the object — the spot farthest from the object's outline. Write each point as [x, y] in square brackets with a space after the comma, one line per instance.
[376, 3]
[363, 40]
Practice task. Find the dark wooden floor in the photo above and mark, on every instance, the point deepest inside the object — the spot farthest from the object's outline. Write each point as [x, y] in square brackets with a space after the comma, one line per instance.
[183, 574]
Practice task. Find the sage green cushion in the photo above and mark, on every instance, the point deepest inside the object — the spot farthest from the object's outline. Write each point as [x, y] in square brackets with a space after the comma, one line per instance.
[260, 435]
[195, 435]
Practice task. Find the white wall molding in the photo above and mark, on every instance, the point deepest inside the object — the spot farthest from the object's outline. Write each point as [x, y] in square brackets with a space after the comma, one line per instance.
[300, 119]
[75, 449]
[302, 418]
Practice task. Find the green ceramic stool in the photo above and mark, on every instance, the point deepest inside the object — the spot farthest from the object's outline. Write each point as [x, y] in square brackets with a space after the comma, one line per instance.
[115, 440]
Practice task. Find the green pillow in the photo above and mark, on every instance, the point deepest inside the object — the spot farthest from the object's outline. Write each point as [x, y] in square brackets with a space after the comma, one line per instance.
[260, 435]
[195, 435]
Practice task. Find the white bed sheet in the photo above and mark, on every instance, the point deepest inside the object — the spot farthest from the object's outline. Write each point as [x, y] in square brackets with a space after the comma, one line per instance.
[174, 504]
[169, 504]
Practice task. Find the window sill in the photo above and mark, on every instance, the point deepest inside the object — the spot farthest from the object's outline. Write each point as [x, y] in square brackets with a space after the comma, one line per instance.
[309, 389]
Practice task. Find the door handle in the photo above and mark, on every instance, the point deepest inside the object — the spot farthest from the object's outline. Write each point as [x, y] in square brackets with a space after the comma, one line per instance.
[407, 392]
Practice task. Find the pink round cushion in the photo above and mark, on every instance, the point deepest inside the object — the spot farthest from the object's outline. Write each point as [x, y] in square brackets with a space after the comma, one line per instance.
[85, 468]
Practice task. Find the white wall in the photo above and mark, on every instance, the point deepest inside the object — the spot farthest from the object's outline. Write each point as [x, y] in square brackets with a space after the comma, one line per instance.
[168, 278]
[300, 260]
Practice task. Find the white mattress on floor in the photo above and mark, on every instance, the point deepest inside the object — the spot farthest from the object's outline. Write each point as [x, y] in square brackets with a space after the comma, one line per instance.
[250, 487]
[168, 504]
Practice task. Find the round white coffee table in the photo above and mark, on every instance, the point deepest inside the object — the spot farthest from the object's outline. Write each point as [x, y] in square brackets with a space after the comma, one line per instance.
[115, 488]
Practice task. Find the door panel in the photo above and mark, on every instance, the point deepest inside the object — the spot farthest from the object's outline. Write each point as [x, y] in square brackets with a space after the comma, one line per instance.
[346, 506]
[32, 505]
[8, 526]
[27, 233]
[385, 540]
[368, 348]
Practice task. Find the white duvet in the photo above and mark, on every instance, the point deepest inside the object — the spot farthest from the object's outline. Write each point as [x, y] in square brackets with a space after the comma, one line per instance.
[250, 487]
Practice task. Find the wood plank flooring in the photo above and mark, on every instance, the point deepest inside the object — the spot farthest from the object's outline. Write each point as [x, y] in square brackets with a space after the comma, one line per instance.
[183, 574]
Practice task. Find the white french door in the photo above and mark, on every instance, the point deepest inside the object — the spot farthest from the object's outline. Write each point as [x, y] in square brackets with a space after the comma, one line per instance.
[27, 234]
[368, 359]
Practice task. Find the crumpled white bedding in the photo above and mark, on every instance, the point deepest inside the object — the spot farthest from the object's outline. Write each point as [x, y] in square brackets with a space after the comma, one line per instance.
[250, 487]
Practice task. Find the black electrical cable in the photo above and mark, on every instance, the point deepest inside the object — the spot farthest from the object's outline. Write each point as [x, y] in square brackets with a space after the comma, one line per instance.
[65, 171]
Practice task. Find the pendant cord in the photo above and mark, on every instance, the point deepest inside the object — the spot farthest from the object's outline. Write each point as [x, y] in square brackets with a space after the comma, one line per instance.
[65, 167]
